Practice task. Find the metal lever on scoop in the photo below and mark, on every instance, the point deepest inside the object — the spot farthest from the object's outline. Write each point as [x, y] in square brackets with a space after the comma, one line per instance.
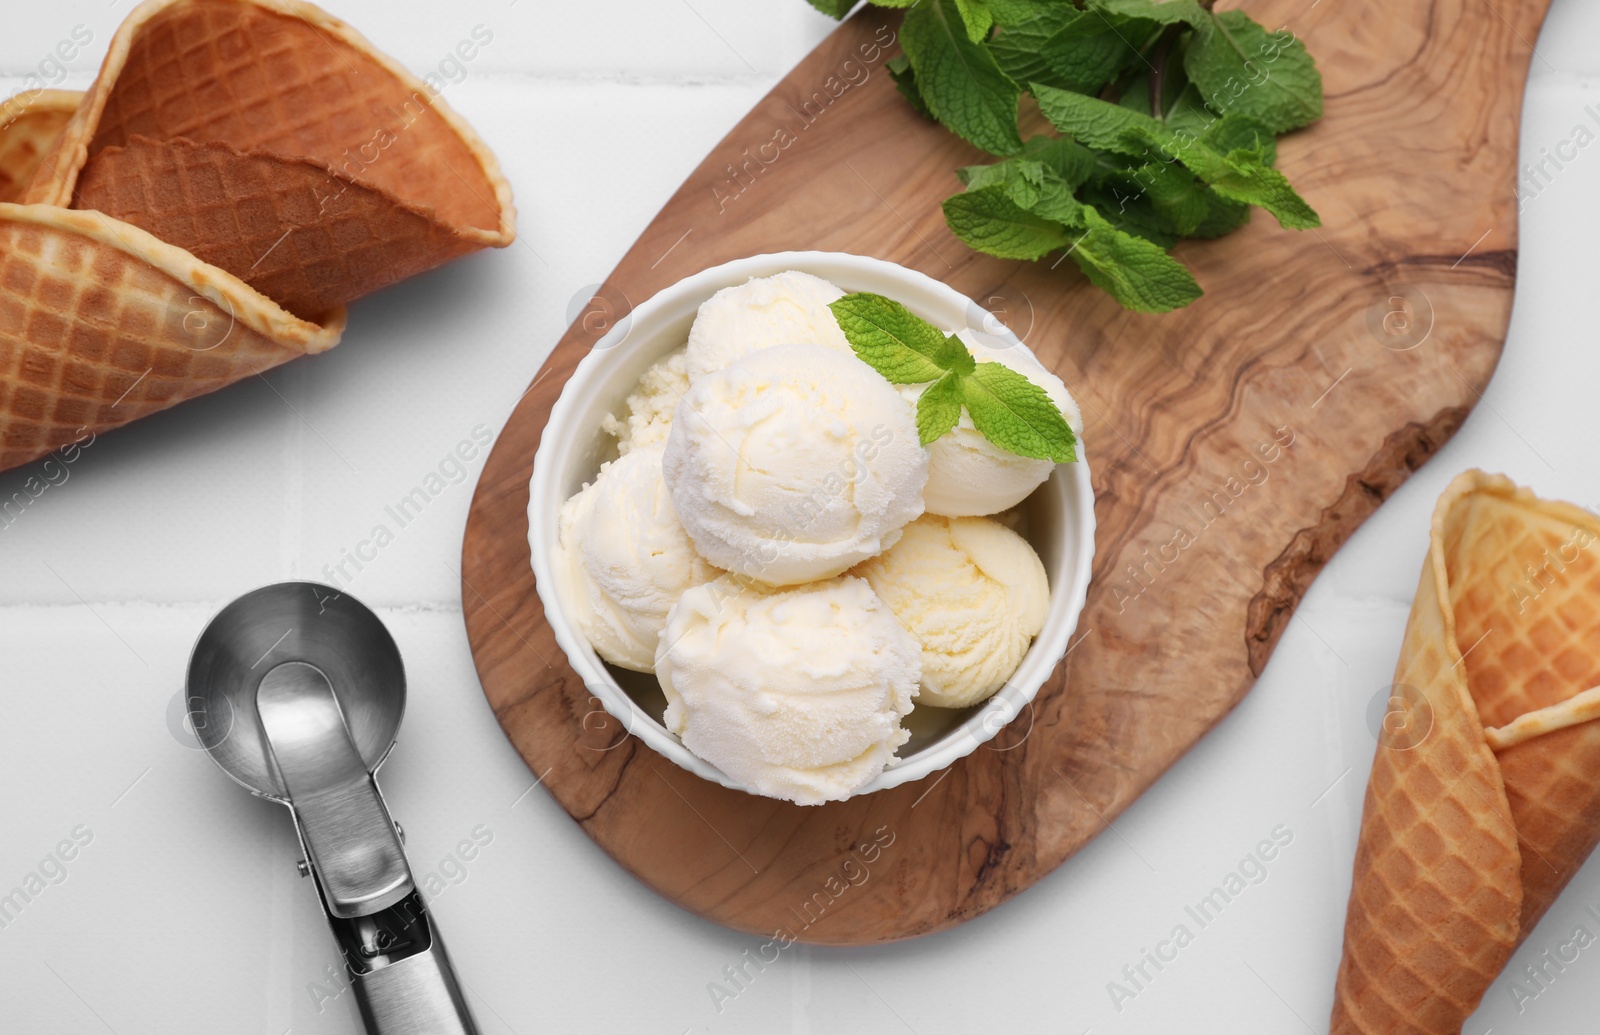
[349, 838]
[401, 975]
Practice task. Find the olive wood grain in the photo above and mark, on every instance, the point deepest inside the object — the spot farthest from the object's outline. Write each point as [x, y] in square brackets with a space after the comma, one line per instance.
[1235, 445]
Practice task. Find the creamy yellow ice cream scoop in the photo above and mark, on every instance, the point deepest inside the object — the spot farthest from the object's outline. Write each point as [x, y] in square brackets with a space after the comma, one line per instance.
[972, 592]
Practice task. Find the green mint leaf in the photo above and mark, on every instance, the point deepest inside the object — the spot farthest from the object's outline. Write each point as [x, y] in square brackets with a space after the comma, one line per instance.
[1224, 217]
[1057, 202]
[977, 17]
[905, 80]
[1022, 178]
[1163, 12]
[1133, 92]
[961, 361]
[1188, 113]
[1242, 69]
[1070, 161]
[1019, 48]
[988, 220]
[959, 80]
[1176, 199]
[835, 9]
[1068, 48]
[1238, 176]
[903, 347]
[1136, 272]
[939, 407]
[1239, 133]
[1241, 176]
[1016, 414]
[1011, 12]
[1127, 210]
[1093, 122]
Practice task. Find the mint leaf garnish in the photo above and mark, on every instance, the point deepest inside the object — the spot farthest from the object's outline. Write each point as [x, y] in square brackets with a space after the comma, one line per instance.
[1235, 132]
[1022, 178]
[1093, 122]
[1043, 160]
[1164, 12]
[1175, 197]
[1010, 12]
[905, 80]
[1016, 414]
[1068, 48]
[1165, 118]
[1242, 69]
[1070, 161]
[959, 79]
[1224, 218]
[893, 341]
[1136, 272]
[977, 17]
[939, 408]
[1239, 175]
[990, 221]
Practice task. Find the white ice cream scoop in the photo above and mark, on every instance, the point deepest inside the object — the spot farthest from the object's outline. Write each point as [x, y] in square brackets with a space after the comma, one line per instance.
[795, 693]
[623, 559]
[793, 464]
[788, 308]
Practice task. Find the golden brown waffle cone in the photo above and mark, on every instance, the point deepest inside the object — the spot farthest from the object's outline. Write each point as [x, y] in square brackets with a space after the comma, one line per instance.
[1464, 845]
[29, 125]
[208, 126]
[305, 237]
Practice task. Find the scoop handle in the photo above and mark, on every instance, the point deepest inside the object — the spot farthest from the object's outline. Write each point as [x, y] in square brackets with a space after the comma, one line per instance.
[418, 995]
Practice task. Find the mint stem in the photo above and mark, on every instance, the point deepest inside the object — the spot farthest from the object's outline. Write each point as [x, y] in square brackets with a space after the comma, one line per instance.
[1158, 68]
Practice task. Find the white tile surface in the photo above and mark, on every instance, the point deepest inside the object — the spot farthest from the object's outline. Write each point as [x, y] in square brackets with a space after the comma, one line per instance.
[183, 914]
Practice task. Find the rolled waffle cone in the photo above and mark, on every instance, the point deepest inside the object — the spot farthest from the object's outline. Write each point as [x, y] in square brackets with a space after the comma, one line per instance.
[1484, 797]
[237, 172]
[29, 125]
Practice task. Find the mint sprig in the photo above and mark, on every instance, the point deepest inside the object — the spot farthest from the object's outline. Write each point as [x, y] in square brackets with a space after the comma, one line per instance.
[1166, 115]
[1006, 408]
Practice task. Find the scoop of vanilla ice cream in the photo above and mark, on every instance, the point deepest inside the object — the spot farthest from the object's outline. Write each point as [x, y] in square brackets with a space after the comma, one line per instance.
[973, 594]
[785, 309]
[647, 414]
[793, 464]
[795, 693]
[623, 559]
[970, 476]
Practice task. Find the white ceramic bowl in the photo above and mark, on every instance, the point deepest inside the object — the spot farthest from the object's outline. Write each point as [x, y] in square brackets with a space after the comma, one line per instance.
[1060, 513]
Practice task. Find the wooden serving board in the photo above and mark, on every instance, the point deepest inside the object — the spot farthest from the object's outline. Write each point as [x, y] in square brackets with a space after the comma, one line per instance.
[1235, 445]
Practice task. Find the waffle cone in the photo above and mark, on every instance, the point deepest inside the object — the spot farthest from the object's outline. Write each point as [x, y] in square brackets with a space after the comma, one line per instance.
[238, 171]
[1484, 797]
[29, 125]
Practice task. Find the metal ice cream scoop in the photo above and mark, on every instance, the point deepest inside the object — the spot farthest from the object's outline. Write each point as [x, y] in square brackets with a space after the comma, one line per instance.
[316, 689]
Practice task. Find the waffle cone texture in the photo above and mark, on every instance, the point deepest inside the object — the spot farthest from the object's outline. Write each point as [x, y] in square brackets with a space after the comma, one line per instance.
[1484, 798]
[237, 173]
